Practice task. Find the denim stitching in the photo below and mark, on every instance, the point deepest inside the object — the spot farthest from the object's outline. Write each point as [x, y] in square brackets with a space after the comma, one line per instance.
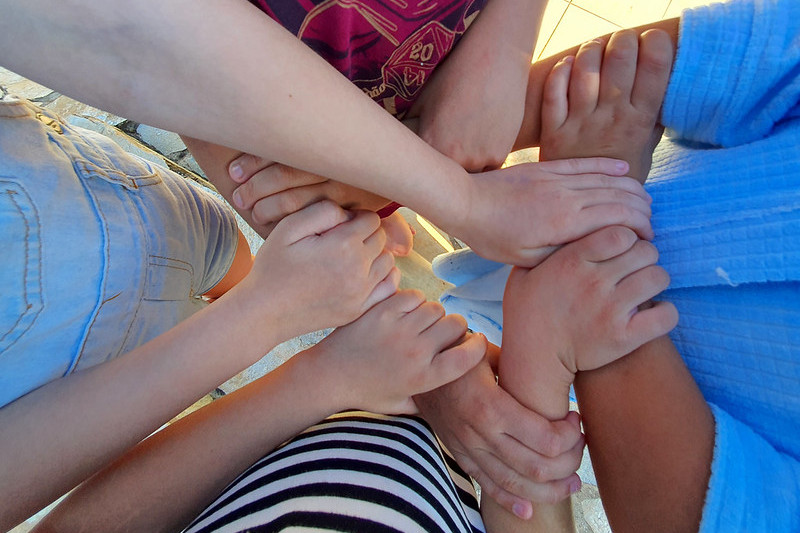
[11, 193]
[96, 313]
[187, 268]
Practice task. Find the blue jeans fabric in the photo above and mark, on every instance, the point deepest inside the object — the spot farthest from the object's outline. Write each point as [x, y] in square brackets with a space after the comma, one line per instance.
[101, 250]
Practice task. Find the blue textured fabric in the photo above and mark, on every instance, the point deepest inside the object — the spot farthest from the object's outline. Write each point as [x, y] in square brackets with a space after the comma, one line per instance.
[726, 189]
[726, 211]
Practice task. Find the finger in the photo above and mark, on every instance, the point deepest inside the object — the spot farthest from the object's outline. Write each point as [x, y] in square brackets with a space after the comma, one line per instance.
[380, 267]
[445, 332]
[315, 219]
[273, 179]
[585, 165]
[640, 255]
[615, 214]
[428, 314]
[599, 181]
[515, 505]
[375, 244]
[542, 436]
[243, 167]
[584, 85]
[652, 71]
[555, 106]
[454, 362]
[405, 301]
[652, 323]
[506, 486]
[383, 290]
[274, 207]
[641, 286]
[533, 256]
[603, 244]
[619, 67]
[617, 196]
[534, 466]
[362, 226]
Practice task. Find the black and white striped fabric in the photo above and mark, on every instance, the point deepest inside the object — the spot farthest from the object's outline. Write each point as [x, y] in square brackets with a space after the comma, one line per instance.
[353, 472]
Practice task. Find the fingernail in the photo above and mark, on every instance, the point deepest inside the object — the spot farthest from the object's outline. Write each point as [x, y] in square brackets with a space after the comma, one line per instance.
[574, 486]
[521, 510]
[236, 172]
[237, 199]
[622, 166]
[567, 59]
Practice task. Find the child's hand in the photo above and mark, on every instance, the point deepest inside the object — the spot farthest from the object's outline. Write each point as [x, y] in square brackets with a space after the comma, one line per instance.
[271, 191]
[516, 455]
[322, 267]
[520, 214]
[401, 347]
[579, 310]
[607, 103]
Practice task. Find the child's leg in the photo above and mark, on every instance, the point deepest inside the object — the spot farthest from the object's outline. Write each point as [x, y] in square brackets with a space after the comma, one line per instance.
[607, 103]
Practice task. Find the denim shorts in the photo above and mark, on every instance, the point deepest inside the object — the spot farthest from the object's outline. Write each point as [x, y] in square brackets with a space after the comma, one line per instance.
[101, 250]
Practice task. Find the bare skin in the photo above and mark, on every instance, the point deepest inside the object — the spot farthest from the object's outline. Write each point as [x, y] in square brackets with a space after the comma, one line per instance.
[400, 347]
[291, 289]
[601, 280]
[610, 117]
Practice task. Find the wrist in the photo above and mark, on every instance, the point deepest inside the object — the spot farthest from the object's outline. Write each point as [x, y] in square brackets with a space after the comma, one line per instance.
[453, 211]
[331, 386]
[537, 379]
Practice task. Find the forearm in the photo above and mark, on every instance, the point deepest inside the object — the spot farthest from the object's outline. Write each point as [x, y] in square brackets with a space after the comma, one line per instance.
[223, 72]
[166, 481]
[531, 123]
[107, 409]
[651, 436]
[537, 385]
[517, 21]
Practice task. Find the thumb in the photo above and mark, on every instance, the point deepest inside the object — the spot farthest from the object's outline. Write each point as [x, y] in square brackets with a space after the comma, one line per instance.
[314, 219]
[451, 364]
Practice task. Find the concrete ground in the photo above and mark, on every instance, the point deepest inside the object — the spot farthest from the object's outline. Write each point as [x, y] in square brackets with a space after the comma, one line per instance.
[566, 23]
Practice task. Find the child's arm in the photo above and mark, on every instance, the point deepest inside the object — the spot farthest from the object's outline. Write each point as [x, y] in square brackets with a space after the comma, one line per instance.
[294, 109]
[576, 311]
[399, 347]
[300, 282]
[472, 107]
[651, 438]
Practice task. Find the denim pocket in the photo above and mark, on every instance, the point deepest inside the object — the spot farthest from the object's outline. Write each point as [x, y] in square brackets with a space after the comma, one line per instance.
[168, 279]
[21, 275]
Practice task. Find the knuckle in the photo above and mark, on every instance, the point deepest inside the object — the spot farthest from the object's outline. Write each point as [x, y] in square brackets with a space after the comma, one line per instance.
[260, 214]
[537, 472]
[648, 251]
[290, 201]
[620, 237]
[511, 482]
[551, 444]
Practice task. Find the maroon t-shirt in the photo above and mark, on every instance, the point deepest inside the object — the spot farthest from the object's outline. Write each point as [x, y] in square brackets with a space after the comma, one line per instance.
[386, 48]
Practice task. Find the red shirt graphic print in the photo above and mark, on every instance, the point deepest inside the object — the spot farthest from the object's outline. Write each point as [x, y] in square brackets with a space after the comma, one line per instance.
[386, 48]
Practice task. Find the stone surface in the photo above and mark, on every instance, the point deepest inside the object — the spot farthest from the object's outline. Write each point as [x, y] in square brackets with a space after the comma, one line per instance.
[165, 142]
